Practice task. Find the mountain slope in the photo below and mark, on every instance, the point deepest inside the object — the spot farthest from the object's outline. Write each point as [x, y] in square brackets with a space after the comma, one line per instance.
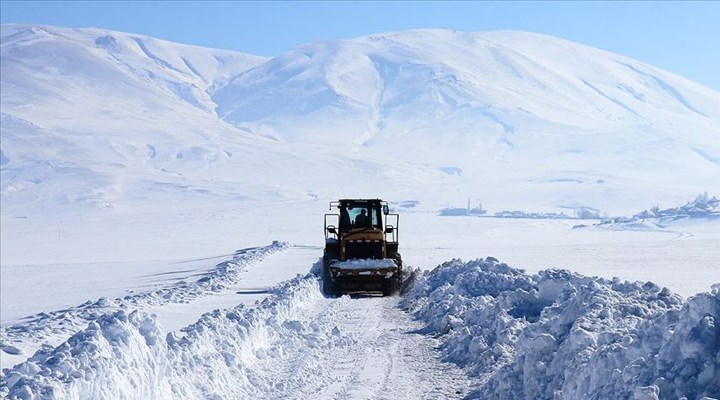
[113, 64]
[500, 107]
[399, 83]
[517, 120]
[82, 107]
[497, 106]
[95, 119]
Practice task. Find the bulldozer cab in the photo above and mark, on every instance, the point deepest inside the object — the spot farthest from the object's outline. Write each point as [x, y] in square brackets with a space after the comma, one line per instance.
[360, 214]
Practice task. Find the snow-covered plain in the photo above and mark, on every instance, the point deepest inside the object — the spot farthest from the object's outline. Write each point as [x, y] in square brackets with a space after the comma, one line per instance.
[133, 169]
[501, 333]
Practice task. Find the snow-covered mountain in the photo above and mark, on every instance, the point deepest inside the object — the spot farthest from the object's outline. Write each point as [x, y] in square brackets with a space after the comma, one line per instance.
[577, 124]
[431, 84]
[91, 115]
[133, 169]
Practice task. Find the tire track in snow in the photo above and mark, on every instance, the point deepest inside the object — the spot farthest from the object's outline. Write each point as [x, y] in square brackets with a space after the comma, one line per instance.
[294, 344]
[377, 356]
[52, 327]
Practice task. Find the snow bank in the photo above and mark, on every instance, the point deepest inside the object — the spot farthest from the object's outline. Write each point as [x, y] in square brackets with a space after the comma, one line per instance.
[127, 356]
[560, 335]
[553, 335]
[45, 325]
[703, 207]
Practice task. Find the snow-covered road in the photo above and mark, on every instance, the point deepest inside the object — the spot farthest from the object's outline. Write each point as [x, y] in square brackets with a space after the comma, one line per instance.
[253, 284]
[293, 344]
[478, 329]
[379, 356]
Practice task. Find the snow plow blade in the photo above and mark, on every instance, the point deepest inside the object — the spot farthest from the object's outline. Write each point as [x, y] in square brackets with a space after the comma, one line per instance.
[362, 276]
[382, 268]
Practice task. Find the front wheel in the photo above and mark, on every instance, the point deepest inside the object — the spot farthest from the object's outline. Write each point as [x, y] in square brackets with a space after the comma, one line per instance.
[330, 288]
[392, 286]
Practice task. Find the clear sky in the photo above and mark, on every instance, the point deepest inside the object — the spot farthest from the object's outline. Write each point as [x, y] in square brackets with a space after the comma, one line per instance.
[682, 37]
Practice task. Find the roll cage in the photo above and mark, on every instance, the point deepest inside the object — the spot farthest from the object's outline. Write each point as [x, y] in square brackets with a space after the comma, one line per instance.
[348, 218]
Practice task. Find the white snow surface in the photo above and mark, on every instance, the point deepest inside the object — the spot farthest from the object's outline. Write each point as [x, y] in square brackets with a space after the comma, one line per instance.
[294, 344]
[501, 333]
[104, 122]
[27, 334]
[561, 335]
[132, 168]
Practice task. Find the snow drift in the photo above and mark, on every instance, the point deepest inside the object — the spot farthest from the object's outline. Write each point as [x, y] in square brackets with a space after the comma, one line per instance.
[560, 335]
[554, 335]
[126, 355]
[45, 325]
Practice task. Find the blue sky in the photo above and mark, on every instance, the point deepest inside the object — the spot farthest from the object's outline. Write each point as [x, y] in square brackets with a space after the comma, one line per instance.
[681, 37]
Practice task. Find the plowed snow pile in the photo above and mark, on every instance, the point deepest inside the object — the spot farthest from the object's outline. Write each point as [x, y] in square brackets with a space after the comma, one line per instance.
[560, 335]
[295, 344]
[503, 334]
[46, 326]
[125, 355]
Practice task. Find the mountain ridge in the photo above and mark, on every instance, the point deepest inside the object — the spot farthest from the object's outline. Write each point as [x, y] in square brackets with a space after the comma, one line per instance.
[525, 114]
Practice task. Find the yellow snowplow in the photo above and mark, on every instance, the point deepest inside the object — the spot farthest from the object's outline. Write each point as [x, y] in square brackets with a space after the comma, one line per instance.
[361, 248]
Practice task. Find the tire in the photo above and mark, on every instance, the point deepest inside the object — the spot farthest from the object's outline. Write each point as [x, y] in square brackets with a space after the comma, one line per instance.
[392, 286]
[330, 288]
[398, 259]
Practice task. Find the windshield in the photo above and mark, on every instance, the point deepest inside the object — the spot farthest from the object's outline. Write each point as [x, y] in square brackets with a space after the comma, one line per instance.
[359, 214]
